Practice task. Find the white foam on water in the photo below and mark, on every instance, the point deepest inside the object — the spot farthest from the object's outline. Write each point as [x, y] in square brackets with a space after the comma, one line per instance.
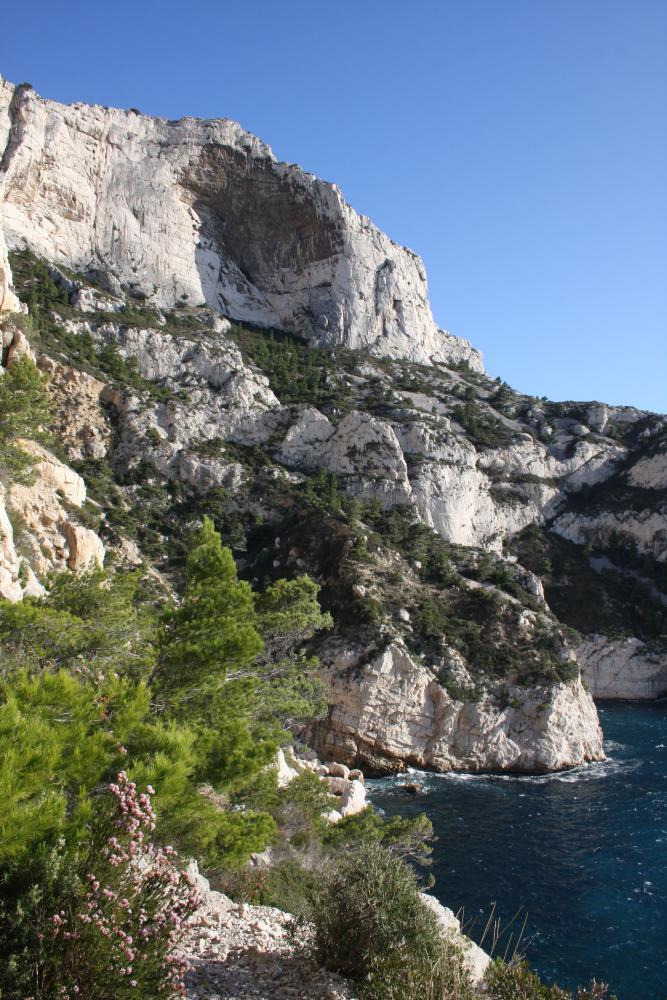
[595, 771]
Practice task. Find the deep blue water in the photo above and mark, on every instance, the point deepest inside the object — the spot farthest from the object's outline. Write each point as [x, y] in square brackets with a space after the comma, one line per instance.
[581, 854]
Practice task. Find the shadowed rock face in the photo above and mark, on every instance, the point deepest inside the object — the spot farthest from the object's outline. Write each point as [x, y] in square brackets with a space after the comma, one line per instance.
[284, 230]
[202, 211]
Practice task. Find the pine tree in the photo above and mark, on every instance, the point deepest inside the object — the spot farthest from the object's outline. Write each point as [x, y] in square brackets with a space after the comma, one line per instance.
[213, 630]
[25, 412]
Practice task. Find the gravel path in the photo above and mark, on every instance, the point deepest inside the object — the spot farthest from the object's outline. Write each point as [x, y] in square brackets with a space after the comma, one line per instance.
[237, 951]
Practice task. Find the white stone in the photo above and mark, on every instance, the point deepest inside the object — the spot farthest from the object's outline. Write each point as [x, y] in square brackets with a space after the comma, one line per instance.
[475, 959]
[286, 773]
[141, 198]
[622, 668]
[353, 799]
[51, 538]
[337, 770]
[396, 710]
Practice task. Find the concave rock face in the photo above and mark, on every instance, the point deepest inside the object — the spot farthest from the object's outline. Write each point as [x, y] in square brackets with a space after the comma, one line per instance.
[201, 211]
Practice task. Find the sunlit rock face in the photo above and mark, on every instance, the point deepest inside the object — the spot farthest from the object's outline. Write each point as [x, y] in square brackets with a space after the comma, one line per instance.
[200, 214]
[201, 211]
[389, 711]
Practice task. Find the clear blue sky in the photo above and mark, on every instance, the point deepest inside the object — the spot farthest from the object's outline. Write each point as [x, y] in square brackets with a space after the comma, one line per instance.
[520, 146]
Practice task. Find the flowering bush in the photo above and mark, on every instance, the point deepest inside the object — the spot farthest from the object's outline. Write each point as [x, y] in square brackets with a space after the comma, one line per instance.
[119, 935]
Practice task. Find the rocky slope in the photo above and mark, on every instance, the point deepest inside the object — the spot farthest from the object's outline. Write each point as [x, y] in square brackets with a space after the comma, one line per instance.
[236, 950]
[40, 519]
[460, 530]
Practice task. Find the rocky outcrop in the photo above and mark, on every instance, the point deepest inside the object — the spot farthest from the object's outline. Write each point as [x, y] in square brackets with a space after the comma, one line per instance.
[8, 300]
[346, 787]
[644, 531]
[391, 712]
[79, 421]
[39, 530]
[201, 211]
[475, 959]
[359, 446]
[622, 668]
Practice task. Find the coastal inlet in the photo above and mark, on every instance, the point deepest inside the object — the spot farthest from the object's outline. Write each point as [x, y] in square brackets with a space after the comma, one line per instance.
[582, 855]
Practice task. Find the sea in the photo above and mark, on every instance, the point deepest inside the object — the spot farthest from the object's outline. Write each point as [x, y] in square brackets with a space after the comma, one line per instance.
[570, 867]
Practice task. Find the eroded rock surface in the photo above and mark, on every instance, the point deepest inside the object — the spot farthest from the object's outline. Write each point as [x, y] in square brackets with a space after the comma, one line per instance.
[40, 532]
[623, 668]
[391, 711]
[201, 211]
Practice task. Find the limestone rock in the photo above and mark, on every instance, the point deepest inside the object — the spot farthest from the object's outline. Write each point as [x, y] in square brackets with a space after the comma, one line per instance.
[79, 420]
[286, 773]
[48, 536]
[391, 710]
[238, 950]
[622, 668]
[90, 300]
[650, 472]
[361, 445]
[338, 770]
[201, 211]
[644, 529]
[9, 303]
[475, 959]
[353, 799]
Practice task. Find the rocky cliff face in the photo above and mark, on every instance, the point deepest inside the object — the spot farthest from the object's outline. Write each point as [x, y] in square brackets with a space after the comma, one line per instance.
[453, 524]
[623, 668]
[391, 711]
[201, 211]
[40, 531]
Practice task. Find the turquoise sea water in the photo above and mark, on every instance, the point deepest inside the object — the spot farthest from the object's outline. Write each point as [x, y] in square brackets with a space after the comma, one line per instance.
[581, 854]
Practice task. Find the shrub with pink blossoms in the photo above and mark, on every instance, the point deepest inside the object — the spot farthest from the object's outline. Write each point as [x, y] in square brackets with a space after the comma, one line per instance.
[118, 939]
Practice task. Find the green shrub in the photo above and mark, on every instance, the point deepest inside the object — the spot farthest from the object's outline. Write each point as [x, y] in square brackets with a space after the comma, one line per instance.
[481, 425]
[298, 372]
[25, 412]
[516, 981]
[105, 921]
[371, 926]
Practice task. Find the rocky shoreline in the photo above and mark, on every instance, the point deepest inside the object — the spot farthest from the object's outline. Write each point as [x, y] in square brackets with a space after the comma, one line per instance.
[393, 714]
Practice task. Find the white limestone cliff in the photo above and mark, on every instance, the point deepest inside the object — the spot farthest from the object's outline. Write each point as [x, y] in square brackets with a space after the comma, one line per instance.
[622, 668]
[8, 300]
[391, 711]
[39, 530]
[201, 211]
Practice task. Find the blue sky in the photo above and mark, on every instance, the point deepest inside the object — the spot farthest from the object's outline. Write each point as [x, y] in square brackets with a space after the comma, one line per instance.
[520, 146]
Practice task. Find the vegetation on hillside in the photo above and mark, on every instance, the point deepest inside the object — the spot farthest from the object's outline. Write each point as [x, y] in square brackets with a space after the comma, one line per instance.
[24, 414]
[138, 730]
